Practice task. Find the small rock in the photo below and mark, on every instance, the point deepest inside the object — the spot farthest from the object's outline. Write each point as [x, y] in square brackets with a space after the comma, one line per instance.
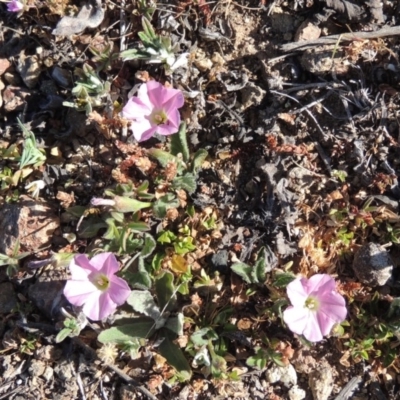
[14, 98]
[307, 31]
[321, 382]
[4, 65]
[48, 373]
[48, 353]
[372, 265]
[48, 297]
[219, 261]
[32, 222]
[287, 375]
[296, 393]
[201, 61]
[319, 61]
[252, 95]
[63, 371]
[62, 77]
[2, 86]
[36, 368]
[8, 299]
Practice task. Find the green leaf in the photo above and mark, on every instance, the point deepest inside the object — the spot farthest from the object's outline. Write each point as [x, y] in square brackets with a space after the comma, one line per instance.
[175, 324]
[148, 29]
[161, 206]
[202, 337]
[198, 159]
[259, 360]
[149, 245]
[179, 144]
[5, 260]
[165, 290]
[166, 237]
[90, 229]
[63, 334]
[142, 302]
[141, 328]
[162, 157]
[244, 271]
[282, 280]
[258, 273]
[186, 182]
[175, 357]
[138, 226]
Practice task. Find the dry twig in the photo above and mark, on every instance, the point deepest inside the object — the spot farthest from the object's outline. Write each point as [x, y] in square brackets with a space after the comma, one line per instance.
[344, 37]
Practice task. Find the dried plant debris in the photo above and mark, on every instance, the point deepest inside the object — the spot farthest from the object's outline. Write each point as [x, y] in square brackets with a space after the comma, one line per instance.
[90, 16]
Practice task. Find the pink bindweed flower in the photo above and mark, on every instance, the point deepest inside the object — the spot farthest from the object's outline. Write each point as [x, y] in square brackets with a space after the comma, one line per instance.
[316, 307]
[154, 110]
[15, 6]
[94, 285]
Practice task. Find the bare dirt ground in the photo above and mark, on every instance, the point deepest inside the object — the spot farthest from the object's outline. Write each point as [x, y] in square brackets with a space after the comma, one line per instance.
[296, 103]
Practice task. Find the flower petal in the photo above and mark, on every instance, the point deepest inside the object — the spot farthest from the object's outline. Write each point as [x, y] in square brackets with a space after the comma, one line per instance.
[174, 118]
[320, 283]
[333, 305]
[78, 292]
[80, 267]
[312, 330]
[106, 263]
[296, 318]
[136, 109]
[325, 322]
[143, 130]
[91, 308]
[119, 290]
[296, 292]
[166, 129]
[165, 98]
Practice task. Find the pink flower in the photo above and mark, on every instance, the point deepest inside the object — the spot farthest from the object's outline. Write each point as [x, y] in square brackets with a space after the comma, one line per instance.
[15, 6]
[94, 285]
[316, 307]
[154, 110]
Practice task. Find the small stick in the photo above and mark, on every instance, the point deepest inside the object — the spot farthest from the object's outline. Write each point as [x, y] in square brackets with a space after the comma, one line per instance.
[343, 37]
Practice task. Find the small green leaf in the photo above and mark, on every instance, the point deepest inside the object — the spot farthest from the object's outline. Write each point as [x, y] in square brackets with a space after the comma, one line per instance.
[175, 324]
[282, 280]
[138, 226]
[244, 271]
[179, 144]
[166, 237]
[149, 245]
[259, 360]
[165, 291]
[90, 229]
[198, 159]
[258, 273]
[162, 156]
[140, 328]
[161, 206]
[142, 302]
[186, 182]
[174, 356]
[63, 334]
[5, 260]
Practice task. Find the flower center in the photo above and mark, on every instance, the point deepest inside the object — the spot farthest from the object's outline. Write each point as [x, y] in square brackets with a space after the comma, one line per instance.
[312, 304]
[101, 282]
[159, 117]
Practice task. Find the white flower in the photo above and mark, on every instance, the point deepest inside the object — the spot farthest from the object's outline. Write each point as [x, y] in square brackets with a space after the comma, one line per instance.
[35, 187]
